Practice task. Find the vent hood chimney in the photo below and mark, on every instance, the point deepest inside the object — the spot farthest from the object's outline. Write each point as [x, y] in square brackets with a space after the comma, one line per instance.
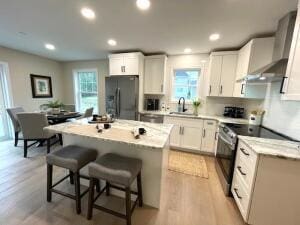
[283, 39]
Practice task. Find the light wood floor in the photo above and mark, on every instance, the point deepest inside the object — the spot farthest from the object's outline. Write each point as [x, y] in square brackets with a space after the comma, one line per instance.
[187, 200]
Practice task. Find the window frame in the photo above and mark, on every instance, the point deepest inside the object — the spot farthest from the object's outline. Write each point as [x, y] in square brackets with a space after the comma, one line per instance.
[77, 91]
[199, 83]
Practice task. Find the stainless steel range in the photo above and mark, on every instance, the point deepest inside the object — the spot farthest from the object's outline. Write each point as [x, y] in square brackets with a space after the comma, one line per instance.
[227, 145]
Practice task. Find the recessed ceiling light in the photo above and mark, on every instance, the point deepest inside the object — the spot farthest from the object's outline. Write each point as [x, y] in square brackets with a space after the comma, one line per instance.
[112, 42]
[214, 37]
[187, 50]
[88, 13]
[50, 46]
[143, 4]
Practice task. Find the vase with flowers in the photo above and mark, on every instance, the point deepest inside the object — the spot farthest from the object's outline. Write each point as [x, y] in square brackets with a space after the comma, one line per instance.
[196, 105]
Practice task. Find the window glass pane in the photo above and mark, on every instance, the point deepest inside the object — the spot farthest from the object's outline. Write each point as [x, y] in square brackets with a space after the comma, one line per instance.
[186, 84]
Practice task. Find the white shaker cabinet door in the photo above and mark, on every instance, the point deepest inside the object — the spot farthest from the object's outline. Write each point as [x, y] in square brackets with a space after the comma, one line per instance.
[215, 74]
[116, 65]
[191, 138]
[131, 65]
[228, 75]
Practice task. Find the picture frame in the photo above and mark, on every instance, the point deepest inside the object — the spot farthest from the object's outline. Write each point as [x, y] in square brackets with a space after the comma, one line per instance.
[41, 86]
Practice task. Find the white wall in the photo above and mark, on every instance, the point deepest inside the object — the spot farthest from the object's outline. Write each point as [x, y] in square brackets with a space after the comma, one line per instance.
[281, 116]
[21, 65]
[102, 68]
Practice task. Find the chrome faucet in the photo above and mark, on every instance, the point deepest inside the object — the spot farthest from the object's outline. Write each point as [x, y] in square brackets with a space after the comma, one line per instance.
[183, 106]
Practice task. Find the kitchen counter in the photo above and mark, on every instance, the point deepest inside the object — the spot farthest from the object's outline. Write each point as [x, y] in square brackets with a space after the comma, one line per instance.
[156, 136]
[272, 147]
[152, 148]
[220, 119]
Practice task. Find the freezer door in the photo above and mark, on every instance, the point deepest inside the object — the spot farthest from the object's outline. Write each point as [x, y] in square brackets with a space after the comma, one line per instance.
[127, 97]
[111, 87]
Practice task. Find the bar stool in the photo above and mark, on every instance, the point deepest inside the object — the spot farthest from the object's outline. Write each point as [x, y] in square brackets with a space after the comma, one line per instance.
[116, 171]
[72, 158]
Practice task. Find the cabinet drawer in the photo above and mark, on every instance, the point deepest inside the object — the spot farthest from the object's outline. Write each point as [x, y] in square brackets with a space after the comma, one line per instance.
[185, 122]
[240, 195]
[245, 171]
[246, 155]
[209, 123]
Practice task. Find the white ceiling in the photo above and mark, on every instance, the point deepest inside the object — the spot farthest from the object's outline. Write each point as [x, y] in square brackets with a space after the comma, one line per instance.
[169, 26]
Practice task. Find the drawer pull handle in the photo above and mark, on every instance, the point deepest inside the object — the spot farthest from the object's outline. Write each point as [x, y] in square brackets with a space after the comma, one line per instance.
[240, 169]
[237, 194]
[244, 152]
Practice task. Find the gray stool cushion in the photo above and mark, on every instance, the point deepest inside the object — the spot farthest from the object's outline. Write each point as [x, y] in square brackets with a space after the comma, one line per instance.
[72, 157]
[115, 169]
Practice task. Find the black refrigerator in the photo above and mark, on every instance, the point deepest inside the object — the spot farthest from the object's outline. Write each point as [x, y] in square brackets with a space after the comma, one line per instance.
[122, 95]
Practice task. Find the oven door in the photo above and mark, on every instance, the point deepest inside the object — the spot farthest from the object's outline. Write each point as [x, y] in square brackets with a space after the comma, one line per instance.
[225, 157]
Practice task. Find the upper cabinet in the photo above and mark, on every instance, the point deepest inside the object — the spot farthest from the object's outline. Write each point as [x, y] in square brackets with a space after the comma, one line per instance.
[291, 86]
[154, 78]
[254, 55]
[126, 64]
[222, 73]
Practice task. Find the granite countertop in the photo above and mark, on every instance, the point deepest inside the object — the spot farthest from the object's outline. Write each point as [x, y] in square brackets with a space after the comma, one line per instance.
[220, 119]
[272, 147]
[156, 136]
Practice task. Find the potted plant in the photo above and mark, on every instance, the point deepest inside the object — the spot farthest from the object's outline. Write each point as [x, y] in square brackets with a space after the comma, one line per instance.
[55, 106]
[196, 104]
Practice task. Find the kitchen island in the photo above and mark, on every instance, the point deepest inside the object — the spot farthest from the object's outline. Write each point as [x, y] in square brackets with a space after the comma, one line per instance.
[151, 148]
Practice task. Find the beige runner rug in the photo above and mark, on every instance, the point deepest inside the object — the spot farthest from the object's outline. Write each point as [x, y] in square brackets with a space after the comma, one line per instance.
[187, 163]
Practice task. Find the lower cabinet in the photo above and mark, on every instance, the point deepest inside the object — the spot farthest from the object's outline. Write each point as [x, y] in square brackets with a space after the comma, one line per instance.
[192, 134]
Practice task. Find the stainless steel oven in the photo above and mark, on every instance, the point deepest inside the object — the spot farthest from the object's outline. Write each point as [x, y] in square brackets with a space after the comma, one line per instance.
[225, 156]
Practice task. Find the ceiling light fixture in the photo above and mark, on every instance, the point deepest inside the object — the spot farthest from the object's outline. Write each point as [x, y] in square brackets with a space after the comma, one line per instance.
[50, 46]
[143, 4]
[112, 42]
[88, 13]
[214, 37]
[262, 78]
[187, 50]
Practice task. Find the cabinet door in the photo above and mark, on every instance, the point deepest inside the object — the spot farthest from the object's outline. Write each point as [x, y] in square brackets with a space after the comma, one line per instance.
[228, 75]
[243, 61]
[131, 65]
[191, 138]
[175, 136]
[239, 90]
[291, 90]
[154, 75]
[115, 65]
[215, 74]
[208, 136]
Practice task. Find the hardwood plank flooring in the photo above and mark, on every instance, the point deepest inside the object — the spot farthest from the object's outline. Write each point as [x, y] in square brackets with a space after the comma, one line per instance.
[186, 200]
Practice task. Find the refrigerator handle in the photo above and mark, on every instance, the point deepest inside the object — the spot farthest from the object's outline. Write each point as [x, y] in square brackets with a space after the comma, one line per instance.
[116, 102]
[119, 102]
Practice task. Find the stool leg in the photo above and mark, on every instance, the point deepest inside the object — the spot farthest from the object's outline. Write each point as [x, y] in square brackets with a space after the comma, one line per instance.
[77, 192]
[25, 148]
[98, 186]
[60, 139]
[91, 199]
[139, 187]
[107, 188]
[71, 177]
[49, 182]
[128, 205]
[48, 145]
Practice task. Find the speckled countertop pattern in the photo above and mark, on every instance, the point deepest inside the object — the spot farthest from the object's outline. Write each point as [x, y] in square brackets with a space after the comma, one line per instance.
[156, 136]
[271, 147]
[220, 119]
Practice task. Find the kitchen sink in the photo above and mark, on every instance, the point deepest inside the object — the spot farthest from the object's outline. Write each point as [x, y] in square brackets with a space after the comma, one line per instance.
[182, 113]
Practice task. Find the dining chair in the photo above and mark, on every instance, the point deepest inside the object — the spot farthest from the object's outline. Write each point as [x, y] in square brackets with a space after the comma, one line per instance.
[69, 107]
[88, 113]
[12, 112]
[32, 126]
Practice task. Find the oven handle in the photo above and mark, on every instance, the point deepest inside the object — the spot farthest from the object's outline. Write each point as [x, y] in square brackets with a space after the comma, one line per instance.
[226, 141]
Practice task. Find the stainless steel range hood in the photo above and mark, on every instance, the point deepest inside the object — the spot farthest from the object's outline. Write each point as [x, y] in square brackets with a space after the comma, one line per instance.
[276, 70]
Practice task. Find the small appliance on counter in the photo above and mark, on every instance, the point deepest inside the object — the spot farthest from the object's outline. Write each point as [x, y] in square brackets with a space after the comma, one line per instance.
[255, 117]
[234, 112]
[151, 104]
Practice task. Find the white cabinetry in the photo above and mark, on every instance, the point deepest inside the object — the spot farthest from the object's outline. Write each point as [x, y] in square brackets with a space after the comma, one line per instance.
[192, 134]
[291, 88]
[222, 70]
[126, 64]
[155, 70]
[266, 188]
[186, 133]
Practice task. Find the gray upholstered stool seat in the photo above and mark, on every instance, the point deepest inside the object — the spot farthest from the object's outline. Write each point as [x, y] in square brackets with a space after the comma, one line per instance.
[119, 170]
[115, 169]
[72, 157]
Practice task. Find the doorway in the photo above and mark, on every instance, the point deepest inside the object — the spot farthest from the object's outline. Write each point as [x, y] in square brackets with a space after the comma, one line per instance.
[5, 102]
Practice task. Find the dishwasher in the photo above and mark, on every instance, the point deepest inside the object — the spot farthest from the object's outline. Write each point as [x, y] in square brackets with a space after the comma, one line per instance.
[151, 118]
